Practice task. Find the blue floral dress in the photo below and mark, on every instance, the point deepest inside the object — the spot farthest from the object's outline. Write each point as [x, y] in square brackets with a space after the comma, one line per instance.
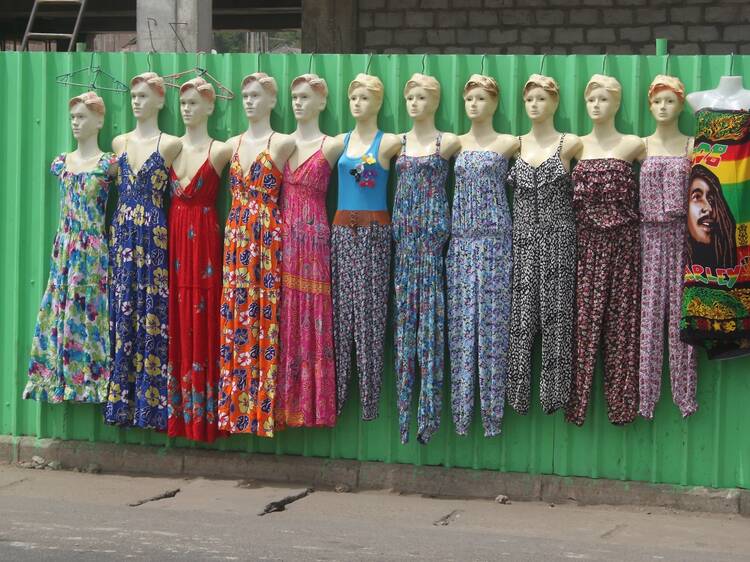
[70, 353]
[139, 290]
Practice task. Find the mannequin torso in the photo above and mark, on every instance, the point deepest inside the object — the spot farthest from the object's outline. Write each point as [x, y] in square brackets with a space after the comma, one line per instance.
[729, 94]
[539, 145]
[505, 145]
[609, 143]
[362, 138]
[255, 141]
[140, 145]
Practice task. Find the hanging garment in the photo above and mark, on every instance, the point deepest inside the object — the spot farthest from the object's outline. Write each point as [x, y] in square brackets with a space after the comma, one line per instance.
[478, 281]
[194, 294]
[70, 353]
[360, 265]
[663, 201]
[605, 200]
[544, 269]
[421, 226]
[306, 384]
[716, 296]
[250, 296]
[139, 290]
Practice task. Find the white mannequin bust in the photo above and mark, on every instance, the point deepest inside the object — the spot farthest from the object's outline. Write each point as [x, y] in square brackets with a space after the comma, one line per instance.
[365, 100]
[86, 120]
[729, 94]
[197, 98]
[146, 100]
[259, 98]
[422, 95]
[541, 97]
[480, 103]
[602, 95]
[309, 98]
[666, 99]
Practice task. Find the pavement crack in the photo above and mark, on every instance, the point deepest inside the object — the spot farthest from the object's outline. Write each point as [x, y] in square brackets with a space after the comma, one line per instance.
[281, 504]
[162, 496]
[449, 518]
[612, 531]
[11, 484]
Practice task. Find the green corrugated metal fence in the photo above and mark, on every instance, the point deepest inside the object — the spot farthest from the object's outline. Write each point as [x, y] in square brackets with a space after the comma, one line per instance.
[711, 448]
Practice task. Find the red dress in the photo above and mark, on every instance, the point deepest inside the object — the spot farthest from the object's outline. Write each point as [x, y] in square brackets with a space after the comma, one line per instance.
[194, 296]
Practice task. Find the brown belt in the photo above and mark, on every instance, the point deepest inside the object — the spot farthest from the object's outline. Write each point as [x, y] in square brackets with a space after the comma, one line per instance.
[361, 218]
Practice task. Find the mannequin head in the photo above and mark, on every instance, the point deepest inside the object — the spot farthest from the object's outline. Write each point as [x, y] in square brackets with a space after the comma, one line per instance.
[666, 98]
[365, 96]
[146, 95]
[541, 96]
[480, 97]
[422, 94]
[602, 95]
[258, 95]
[86, 115]
[309, 96]
[197, 99]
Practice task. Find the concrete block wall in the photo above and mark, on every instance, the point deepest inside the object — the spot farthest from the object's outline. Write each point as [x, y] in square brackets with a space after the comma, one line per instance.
[553, 26]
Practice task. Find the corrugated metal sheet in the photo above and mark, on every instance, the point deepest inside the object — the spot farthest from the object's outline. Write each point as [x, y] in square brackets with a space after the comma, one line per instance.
[711, 448]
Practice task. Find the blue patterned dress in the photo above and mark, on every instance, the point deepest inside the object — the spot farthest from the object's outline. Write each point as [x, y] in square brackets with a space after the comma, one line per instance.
[478, 274]
[139, 291]
[421, 226]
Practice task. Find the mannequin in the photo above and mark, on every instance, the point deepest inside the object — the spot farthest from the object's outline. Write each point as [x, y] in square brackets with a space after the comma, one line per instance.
[306, 385]
[421, 226]
[728, 94]
[74, 364]
[195, 270]
[249, 328]
[361, 246]
[544, 245]
[605, 200]
[139, 262]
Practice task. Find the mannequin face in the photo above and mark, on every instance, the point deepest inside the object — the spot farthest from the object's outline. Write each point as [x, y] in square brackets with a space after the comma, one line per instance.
[701, 215]
[257, 102]
[194, 108]
[306, 102]
[420, 102]
[84, 123]
[145, 102]
[665, 106]
[479, 104]
[601, 105]
[540, 104]
[363, 103]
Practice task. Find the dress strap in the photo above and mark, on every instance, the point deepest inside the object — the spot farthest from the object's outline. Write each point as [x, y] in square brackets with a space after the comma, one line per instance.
[346, 141]
[323, 140]
[645, 140]
[560, 144]
[208, 156]
[239, 144]
[520, 145]
[403, 144]
[437, 143]
[127, 137]
[158, 141]
[687, 148]
[268, 144]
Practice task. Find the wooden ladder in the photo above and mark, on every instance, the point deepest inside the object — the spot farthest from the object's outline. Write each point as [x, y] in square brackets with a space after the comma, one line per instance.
[71, 37]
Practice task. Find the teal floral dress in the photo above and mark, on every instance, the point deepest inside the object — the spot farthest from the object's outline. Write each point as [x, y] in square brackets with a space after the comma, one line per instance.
[70, 357]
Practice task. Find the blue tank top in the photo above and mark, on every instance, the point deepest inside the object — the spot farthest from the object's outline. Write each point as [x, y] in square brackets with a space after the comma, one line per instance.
[363, 182]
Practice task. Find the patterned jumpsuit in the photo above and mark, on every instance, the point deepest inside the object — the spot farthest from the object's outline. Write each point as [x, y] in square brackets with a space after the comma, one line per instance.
[544, 250]
[605, 199]
[421, 226]
[664, 187]
[478, 277]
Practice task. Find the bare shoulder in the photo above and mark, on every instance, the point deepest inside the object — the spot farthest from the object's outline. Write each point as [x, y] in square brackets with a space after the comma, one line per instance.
[332, 148]
[449, 145]
[690, 144]
[571, 145]
[118, 143]
[507, 144]
[221, 152]
[390, 145]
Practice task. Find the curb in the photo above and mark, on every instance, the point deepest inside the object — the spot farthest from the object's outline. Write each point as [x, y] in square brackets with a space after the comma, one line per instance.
[365, 475]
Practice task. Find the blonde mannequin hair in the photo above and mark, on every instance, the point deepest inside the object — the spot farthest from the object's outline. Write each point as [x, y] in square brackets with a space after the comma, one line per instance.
[91, 100]
[267, 82]
[607, 82]
[317, 83]
[370, 83]
[487, 83]
[418, 80]
[152, 80]
[663, 82]
[546, 83]
[205, 89]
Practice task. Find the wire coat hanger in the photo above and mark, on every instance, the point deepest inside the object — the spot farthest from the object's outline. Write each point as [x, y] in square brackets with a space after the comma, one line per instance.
[94, 72]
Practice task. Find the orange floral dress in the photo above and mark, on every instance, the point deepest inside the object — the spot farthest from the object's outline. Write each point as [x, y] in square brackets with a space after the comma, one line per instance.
[249, 311]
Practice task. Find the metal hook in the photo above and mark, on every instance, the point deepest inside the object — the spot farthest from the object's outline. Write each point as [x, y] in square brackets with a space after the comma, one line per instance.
[257, 62]
[369, 60]
[731, 64]
[666, 64]
[541, 64]
[481, 68]
[310, 63]
[604, 63]
[148, 60]
[424, 60]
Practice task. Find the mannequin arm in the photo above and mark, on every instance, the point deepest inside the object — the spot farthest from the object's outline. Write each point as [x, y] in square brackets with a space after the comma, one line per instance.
[508, 145]
[571, 148]
[389, 147]
[170, 146]
[282, 147]
[450, 145]
[332, 149]
[118, 144]
[221, 152]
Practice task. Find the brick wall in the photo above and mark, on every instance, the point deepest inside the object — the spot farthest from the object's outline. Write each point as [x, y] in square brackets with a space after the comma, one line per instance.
[553, 26]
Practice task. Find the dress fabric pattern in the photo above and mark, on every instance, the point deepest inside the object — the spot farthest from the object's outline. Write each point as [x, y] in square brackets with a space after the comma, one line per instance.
[139, 291]
[544, 271]
[249, 325]
[194, 296]
[70, 354]
[306, 385]
[663, 202]
[421, 226]
[478, 282]
[605, 200]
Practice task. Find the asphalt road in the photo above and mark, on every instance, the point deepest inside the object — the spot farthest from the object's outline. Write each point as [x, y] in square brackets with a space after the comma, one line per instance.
[60, 515]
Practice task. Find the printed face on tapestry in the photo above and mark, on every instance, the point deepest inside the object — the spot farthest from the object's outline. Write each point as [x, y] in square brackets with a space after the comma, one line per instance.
[84, 123]
[194, 108]
[307, 104]
[601, 105]
[540, 104]
[479, 104]
[257, 101]
[144, 101]
[420, 102]
[665, 106]
[363, 103]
